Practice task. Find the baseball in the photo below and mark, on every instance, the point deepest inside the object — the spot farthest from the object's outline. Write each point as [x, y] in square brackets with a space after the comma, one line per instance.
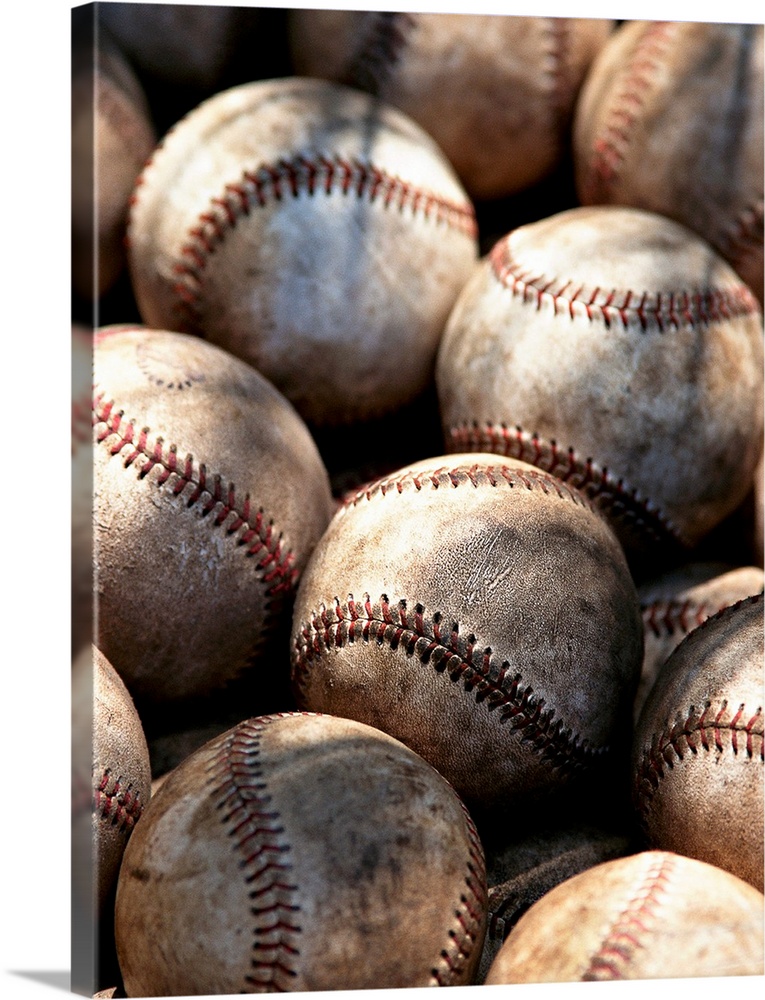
[670, 119]
[679, 600]
[616, 349]
[281, 220]
[497, 94]
[697, 759]
[209, 493]
[301, 852]
[482, 612]
[653, 915]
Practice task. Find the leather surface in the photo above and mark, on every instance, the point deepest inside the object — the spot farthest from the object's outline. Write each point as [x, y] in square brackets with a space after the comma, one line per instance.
[502, 637]
[303, 853]
[697, 760]
[670, 119]
[653, 915]
[197, 551]
[308, 277]
[622, 336]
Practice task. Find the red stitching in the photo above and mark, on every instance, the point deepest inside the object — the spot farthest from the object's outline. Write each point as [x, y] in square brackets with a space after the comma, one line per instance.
[487, 678]
[464, 935]
[609, 495]
[115, 802]
[669, 617]
[665, 310]
[623, 938]
[239, 790]
[475, 475]
[610, 147]
[258, 539]
[705, 730]
[288, 178]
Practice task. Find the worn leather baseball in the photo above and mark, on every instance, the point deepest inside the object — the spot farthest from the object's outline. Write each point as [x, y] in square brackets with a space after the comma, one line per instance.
[697, 759]
[301, 852]
[209, 495]
[482, 612]
[496, 93]
[653, 915]
[670, 119]
[679, 600]
[112, 136]
[616, 349]
[311, 230]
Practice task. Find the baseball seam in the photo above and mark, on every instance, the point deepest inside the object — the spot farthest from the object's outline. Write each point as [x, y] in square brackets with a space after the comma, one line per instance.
[611, 496]
[476, 475]
[610, 146]
[717, 728]
[240, 792]
[303, 174]
[255, 534]
[668, 617]
[437, 641]
[661, 310]
[623, 938]
[469, 915]
[116, 802]
[379, 51]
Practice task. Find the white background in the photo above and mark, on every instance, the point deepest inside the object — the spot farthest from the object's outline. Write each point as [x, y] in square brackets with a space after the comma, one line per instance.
[34, 482]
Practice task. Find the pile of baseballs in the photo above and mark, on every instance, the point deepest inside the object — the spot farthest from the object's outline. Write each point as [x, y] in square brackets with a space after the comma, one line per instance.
[426, 500]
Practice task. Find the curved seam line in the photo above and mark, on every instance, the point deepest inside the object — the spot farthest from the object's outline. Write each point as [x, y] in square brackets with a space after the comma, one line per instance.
[665, 750]
[661, 310]
[623, 936]
[596, 483]
[256, 832]
[289, 178]
[553, 741]
[253, 537]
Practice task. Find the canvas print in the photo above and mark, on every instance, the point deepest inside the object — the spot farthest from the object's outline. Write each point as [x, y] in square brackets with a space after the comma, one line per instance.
[417, 499]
